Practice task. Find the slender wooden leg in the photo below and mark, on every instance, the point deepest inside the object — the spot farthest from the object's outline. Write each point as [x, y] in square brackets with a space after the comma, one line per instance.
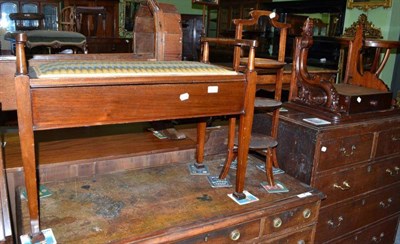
[245, 125]
[231, 143]
[268, 167]
[274, 158]
[26, 136]
[201, 138]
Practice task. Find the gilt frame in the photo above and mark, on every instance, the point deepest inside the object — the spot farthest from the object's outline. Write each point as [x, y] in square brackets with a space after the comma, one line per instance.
[368, 4]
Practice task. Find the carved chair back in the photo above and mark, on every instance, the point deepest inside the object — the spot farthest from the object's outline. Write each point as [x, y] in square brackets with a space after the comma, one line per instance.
[28, 21]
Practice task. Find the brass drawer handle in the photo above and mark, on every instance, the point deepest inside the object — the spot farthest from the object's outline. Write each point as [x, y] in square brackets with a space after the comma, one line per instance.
[387, 204]
[346, 153]
[395, 138]
[332, 224]
[307, 213]
[391, 172]
[344, 187]
[277, 222]
[375, 239]
[235, 235]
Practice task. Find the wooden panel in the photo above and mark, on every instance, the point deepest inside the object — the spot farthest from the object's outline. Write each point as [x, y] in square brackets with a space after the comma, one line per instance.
[304, 214]
[343, 218]
[380, 233]
[344, 151]
[98, 105]
[388, 142]
[7, 87]
[301, 236]
[109, 45]
[353, 181]
[244, 232]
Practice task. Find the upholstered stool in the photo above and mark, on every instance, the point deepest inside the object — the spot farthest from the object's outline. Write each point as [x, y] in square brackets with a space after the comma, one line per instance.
[51, 39]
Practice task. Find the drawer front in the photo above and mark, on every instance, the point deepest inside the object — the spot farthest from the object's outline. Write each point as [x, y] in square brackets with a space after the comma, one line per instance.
[388, 142]
[300, 216]
[340, 219]
[99, 105]
[344, 151]
[384, 232]
[357, 180]
[239, 233]
[304, 236]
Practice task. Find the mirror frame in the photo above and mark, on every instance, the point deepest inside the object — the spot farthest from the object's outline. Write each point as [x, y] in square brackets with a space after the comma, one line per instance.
[368, 4]
[206, 2]
[121, 18]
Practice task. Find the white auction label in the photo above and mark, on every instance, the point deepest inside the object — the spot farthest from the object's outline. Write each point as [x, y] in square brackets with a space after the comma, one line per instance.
[212, 89]
[184, 96]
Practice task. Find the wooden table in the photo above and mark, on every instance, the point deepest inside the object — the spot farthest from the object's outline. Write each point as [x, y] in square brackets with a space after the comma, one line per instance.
[66, 101]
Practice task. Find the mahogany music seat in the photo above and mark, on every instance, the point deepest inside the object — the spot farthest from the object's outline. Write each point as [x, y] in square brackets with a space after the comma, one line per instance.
[260, 142]
[66, 93]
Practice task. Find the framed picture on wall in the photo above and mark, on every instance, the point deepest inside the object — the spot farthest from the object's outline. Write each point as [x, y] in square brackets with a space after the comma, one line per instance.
[206, 2]
[368, 4]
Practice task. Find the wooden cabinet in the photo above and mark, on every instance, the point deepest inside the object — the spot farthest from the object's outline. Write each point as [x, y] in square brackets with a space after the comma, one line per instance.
[356, 164]
[109, 45]
[220, 18]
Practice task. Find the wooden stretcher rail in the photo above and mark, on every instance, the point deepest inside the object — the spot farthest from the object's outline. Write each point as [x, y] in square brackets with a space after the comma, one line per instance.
[53, 103]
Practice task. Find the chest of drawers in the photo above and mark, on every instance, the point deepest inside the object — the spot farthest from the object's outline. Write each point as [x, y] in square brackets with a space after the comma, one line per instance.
[356, 164]
[136, 207]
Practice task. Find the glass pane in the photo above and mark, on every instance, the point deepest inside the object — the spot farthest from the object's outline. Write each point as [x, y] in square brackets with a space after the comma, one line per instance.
[30, 8]
[50, 17]
[5, 21]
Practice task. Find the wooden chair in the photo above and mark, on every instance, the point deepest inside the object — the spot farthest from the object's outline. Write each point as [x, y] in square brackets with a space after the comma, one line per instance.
[28, 21]
[260, 141]
[361, 94]
[68, 19]
[96, 13]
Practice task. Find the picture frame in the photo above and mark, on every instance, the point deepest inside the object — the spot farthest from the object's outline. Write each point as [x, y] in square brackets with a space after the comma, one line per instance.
[206, 2]
[368, 4]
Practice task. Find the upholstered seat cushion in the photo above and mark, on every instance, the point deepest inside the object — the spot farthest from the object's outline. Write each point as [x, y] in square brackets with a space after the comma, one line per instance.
[47, 36]
[102, 68]
[50, 38]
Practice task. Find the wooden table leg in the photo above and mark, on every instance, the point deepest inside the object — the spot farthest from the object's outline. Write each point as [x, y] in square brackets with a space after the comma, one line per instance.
[231, 144]
[28, 151]
[25, 128]
[245, 126]
[201, 140]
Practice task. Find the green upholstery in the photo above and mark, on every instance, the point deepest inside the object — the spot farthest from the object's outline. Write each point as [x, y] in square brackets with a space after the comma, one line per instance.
[48, 36]
[101, 68]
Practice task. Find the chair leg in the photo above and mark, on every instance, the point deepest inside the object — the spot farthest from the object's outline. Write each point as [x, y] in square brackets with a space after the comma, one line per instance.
[268, 167]
[274, 158]
[231, 143]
